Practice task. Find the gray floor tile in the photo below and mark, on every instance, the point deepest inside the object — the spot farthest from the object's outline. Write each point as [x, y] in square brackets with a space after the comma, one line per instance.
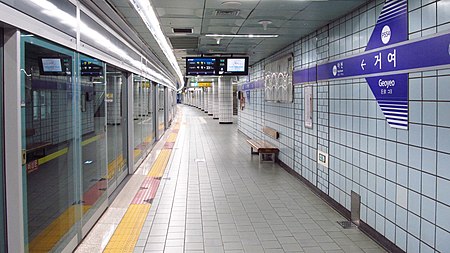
[229, 202]
[173, 250]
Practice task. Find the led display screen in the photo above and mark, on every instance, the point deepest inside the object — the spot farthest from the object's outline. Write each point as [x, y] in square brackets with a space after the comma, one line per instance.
[51, 65]
[55, 66]
[90, 68]
[236, 65]
[200, 66]
[220, 66]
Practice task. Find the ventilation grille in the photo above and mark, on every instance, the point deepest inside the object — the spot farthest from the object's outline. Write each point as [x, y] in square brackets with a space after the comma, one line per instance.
[184, 42]
[182, 30]
[226, 12]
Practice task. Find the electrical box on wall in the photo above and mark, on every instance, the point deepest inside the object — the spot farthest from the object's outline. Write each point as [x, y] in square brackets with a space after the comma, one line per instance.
[322, 158]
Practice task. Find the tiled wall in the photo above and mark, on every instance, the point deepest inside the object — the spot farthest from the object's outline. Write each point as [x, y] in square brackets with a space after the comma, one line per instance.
[52, 121]
[403, 176]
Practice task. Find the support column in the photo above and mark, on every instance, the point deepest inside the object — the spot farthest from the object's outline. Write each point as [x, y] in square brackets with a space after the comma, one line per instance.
[216, 100]
[205, 101]
[210, 101]
[202, 97]
[225, 100]
[196, 98]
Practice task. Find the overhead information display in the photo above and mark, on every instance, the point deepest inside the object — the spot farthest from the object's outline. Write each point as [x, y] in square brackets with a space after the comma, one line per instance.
[220, 66]
[55, 66]
[200, 66]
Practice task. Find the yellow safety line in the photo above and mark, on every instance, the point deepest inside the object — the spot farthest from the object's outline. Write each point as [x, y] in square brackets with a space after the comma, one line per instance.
[114, 165]
[127, 233]
[51, 235]
[137, 153]
[64, 151]
[160, 164]
[52, 156]
[90, 140]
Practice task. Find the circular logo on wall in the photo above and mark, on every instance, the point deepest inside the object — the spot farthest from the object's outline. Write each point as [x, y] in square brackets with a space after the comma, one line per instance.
[334, 70]
[386, 34]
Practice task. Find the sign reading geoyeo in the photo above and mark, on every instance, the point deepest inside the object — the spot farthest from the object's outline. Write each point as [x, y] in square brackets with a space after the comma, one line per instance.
[391, 92]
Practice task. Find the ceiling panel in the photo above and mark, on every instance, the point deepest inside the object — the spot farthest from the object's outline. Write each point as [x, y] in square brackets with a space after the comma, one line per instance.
[291, 19]
[181, 22]
[276, 5]
[257, 30]
[223, 22]
[184, 42]
[195, 4]
[244, 5]
[211, 13]
[178, 12]
[220, 30]
[273, 14]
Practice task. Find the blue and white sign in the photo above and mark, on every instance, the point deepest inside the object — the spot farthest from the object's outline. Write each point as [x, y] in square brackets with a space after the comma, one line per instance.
[391, 93]
[259, 84]
[391, 26]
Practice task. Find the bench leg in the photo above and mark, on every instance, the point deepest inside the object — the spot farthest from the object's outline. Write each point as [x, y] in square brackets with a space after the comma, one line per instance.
[263, 157]
[253, 152]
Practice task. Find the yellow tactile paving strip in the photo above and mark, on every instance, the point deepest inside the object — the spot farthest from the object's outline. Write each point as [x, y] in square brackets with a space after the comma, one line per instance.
[160, 164]
[172, 137]
[48, 238]
[127, 233]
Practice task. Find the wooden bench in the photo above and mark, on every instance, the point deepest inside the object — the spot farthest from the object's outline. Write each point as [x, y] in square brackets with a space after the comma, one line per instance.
[266, 150]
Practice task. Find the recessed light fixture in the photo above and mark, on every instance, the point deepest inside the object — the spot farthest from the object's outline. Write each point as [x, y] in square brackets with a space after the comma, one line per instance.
[243, 35]
[265, 23]
[231, 4]
[88, 162]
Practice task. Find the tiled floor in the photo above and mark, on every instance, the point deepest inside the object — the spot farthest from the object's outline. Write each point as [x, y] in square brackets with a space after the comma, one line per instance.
[216, 197]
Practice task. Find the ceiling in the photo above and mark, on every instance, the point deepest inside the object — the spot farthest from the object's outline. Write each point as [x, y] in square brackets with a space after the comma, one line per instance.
[290, 19]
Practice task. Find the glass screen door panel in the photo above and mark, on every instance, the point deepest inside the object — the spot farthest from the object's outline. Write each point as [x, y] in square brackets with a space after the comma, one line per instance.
[161, 111]
[93, 131]
[116, 109]
[147, 115]
[138, 118]
[52, 205]
[2, 174]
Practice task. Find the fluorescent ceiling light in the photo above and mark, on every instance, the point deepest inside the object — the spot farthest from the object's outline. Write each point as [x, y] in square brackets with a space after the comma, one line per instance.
[243, 35]
[148, 15]
[52, 11]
